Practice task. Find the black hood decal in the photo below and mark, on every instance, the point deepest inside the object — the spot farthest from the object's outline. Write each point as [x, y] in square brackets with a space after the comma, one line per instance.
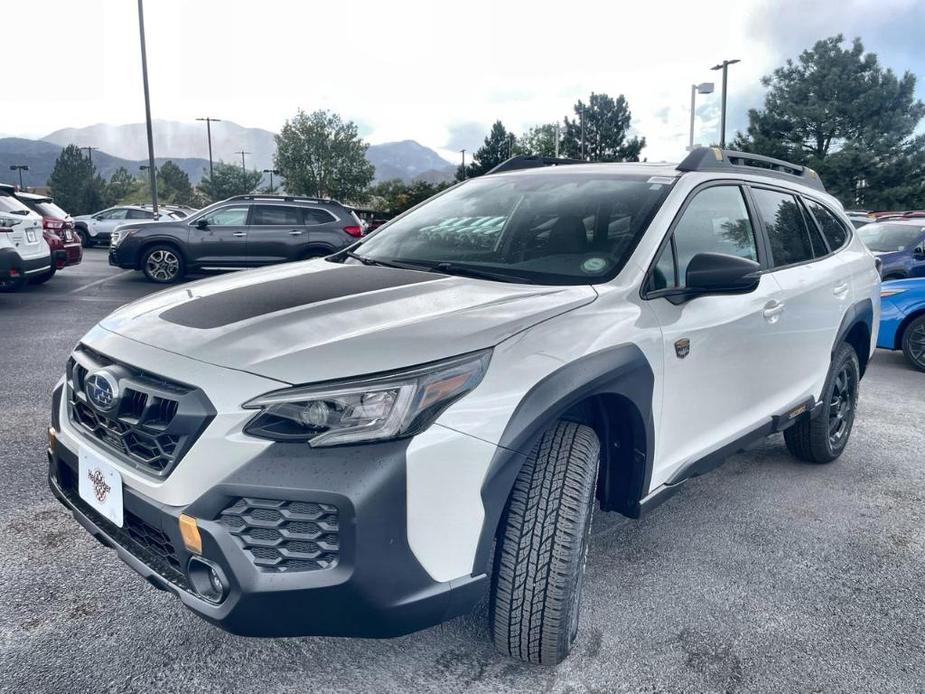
[241, 303]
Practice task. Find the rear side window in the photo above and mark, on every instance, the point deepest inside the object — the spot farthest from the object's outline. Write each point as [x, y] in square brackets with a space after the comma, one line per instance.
[790, 236]
[266, 215]
[139, 214]
[716, 221]
[316, 216]
[832, 228]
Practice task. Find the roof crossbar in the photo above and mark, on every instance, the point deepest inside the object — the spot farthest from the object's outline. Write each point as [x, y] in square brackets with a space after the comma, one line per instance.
[727, 160]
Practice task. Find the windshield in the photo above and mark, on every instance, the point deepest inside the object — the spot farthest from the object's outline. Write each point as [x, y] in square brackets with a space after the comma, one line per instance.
[561, 228]
[886, 238]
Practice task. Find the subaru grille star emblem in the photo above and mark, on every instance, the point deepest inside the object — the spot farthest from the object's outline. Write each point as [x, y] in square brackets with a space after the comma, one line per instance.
[102, 390]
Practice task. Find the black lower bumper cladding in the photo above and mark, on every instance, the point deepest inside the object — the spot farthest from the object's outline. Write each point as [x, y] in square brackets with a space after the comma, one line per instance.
[375, 586]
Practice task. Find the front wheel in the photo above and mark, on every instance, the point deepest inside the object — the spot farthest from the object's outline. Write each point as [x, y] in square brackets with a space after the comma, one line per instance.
[84, 237]
[822, 438]
[914, 343]
[542, 546]
[163, 264]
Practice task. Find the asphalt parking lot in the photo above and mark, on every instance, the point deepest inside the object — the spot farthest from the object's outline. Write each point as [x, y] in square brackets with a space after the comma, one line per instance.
[766, 575]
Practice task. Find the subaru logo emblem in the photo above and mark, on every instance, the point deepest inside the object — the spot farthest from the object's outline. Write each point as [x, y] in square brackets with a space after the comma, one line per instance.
[102, 390]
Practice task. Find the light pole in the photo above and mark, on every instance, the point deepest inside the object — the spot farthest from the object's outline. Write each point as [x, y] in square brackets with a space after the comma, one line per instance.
[271, 172]
[144, 74]
[463, 152]
[209, 121]
[20, 168]
[702, 88]
[242, 153]
[724, 66]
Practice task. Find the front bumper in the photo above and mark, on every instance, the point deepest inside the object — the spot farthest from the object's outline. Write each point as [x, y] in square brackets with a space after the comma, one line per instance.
[123, 256]
[376, 588]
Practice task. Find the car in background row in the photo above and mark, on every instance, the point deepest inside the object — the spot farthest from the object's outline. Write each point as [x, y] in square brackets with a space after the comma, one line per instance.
[98, 227]
[900, 246]
[24, 253]
[58, 226]
[176, 211]
[243, 231]
[859, 218]
[902, 319]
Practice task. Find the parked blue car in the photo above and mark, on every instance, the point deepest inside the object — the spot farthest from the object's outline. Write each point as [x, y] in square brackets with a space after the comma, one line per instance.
[900, 245]
[902, 319]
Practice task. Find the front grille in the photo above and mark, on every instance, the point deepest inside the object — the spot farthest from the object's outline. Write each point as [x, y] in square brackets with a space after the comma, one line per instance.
[154, 422]
[283, 536]
[151, 545]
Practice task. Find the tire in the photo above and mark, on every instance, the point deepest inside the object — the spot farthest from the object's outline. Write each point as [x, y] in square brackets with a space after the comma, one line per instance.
[85, 239]
[44, 277]
[913, 343]
[8, 286]
[542, 546]
[163, 264]
[822, 439]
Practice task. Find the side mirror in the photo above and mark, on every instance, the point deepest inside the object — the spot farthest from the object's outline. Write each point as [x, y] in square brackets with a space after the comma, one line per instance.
[201, 223]
[719, 273]
[98, 217]
[919, 252]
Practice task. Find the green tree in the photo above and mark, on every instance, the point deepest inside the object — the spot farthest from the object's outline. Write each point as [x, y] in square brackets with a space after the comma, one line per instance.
[838, 111]
[122, 186]
[540, 140]
[606, 125]
[395, 196]
[74, 182]
[319, 154]
[228, 180]
[499, 145]
[173, 184]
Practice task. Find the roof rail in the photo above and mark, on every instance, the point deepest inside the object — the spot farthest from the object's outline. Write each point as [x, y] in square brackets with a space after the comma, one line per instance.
[716, 159]
[284, 198]
[529, 161]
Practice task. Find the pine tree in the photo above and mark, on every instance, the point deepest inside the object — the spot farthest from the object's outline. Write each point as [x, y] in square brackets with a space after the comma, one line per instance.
[499, 145]
[599, 131]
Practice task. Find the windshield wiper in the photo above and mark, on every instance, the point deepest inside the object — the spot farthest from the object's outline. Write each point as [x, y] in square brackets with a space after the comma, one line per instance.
[463, 270]
[385, 263]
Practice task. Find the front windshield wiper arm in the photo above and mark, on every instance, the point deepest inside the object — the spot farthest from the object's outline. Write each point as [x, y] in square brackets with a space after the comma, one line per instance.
[464, 270]
[384, 263]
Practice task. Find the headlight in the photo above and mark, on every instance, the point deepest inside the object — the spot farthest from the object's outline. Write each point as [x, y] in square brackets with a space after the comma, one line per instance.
[370, 409]
[119, 235]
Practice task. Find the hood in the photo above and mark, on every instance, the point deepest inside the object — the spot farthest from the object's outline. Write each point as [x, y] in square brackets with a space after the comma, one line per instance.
[318, 320]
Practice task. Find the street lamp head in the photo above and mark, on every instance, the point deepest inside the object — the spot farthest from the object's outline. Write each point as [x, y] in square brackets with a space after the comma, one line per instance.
[705, 88]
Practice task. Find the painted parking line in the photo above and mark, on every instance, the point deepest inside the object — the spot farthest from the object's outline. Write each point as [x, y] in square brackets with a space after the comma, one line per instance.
[100, 281]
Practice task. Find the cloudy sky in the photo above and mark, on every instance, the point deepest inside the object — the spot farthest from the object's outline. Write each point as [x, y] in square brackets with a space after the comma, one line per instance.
[433, 71]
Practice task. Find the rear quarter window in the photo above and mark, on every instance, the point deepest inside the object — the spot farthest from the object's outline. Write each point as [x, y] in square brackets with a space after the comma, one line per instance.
[835, 232]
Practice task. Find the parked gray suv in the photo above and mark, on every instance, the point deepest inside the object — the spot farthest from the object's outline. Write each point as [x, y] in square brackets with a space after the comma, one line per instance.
[243, 231]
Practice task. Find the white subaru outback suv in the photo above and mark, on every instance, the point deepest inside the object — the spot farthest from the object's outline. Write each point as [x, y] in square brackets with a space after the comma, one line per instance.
[365, 444]
[24, 253]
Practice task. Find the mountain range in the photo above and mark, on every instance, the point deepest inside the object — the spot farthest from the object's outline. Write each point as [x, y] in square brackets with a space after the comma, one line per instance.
[187, 146]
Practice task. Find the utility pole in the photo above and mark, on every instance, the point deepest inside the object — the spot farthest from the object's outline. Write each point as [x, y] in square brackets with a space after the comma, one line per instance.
[271, 172]
[209, 121]
[144, 74]
[463, 152]
[89, 152]
[242, 153]
[702, 88]
[20, 168]
[724, 66]
[557, 139]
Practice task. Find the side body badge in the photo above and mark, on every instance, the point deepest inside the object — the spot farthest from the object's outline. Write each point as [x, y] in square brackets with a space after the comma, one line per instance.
[682, 347]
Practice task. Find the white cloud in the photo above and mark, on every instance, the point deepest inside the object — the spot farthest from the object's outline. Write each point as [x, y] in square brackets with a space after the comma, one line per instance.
[404, 69]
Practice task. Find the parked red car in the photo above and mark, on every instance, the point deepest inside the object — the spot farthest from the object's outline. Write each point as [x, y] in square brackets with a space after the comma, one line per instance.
[58, 226]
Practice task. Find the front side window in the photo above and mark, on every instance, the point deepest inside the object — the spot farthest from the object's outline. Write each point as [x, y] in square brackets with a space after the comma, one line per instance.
[548, 228]
[268, 215]
[888, 238]
[788, 232]
[227, 216]
[832, 228]
[715, 221]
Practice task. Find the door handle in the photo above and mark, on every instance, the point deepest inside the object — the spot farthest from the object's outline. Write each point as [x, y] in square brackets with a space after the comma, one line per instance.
[239, 233]
[840, 289]
[773, 310]
[295, 232]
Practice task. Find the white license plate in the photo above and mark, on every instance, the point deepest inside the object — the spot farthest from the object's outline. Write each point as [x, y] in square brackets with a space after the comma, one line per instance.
[100, 485]
[30, 237]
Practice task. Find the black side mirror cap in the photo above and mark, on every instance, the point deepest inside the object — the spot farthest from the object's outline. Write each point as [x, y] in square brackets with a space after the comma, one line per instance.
[202, 224]
[719, 273]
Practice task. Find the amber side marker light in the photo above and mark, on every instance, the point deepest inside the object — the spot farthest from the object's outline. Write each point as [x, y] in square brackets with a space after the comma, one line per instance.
[52, 436]
[190, 532]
